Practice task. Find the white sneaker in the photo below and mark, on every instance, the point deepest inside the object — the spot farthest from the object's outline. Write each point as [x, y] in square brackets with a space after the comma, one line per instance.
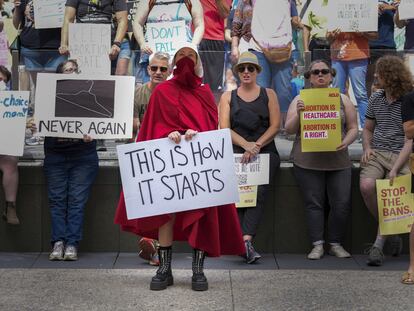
[57, 251]
[316, 253]
[71, 253]
[339, 251]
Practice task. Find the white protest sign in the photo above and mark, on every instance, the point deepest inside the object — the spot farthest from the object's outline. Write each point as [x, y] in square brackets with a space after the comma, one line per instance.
[89, 44]
[353, 15]
[161, 177]
[4, 50]
[48, 13]
[164, 37]
[70, 105]
[255, 172]
[13, 111]
[410, 59]
[406, 9]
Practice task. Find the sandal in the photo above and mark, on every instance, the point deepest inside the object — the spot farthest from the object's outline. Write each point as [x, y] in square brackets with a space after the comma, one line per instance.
[408, 278]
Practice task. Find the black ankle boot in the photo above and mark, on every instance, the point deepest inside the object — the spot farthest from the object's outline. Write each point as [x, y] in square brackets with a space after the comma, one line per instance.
[199, 280]
[164, 277]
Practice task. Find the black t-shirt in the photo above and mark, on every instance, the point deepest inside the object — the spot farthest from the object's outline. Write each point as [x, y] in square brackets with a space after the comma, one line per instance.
[68, 146]
[35, 38]
[97, 11]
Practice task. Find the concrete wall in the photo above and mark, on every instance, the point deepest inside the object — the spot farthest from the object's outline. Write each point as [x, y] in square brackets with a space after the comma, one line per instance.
[283, 229]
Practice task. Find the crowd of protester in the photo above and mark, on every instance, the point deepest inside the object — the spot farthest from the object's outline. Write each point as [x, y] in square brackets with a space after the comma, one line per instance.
[249, 52]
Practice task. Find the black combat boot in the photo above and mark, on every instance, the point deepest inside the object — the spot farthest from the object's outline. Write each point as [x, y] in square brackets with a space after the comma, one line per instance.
[199, 280]
[164, 277]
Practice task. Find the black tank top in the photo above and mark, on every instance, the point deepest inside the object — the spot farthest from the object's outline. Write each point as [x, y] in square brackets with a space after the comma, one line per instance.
[250, 119]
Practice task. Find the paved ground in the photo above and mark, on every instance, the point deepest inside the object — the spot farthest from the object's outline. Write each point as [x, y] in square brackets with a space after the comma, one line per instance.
[112, 281]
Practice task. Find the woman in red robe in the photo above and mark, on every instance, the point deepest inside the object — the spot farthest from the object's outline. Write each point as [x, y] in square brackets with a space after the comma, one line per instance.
[184, 106]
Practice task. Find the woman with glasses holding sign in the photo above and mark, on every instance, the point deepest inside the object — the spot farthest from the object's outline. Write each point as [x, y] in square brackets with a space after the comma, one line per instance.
[184, 106]
[324, 174]
[252, 113]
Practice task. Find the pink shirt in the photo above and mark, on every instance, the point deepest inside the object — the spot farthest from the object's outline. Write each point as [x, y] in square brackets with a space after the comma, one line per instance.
[213, 22]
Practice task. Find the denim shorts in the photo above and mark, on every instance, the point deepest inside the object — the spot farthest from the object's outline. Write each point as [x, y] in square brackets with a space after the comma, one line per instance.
[41, 60]
[125, 50]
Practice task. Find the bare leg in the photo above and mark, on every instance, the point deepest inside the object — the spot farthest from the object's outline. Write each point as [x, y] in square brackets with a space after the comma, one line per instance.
[122, 67]
[165, 233]
[8, 165]
[369, 194]
[411, 267]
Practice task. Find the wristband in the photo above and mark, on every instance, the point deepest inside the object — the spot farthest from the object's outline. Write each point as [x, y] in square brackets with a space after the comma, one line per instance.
[117, 43]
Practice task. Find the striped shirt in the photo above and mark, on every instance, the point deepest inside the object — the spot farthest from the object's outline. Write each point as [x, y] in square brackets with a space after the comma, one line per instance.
[388, 132]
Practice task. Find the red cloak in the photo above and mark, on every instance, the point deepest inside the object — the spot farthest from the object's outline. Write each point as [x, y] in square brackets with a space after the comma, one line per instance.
[177, 105]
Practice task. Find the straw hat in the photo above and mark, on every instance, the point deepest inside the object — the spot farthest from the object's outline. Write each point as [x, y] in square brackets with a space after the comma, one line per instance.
[248, 58]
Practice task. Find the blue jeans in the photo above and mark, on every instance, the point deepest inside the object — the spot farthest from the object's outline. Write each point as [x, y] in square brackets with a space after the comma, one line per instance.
[356, 70]
[69, 180]
[276, 76]
[41, 60]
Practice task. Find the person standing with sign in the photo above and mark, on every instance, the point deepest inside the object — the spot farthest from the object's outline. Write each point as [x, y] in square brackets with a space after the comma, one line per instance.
[70, 167]
[407, 110]
[184, 106]
[156, 11]
[97, 12]
[252, 113]
[321, 173]
[385, 148]
[8, 166]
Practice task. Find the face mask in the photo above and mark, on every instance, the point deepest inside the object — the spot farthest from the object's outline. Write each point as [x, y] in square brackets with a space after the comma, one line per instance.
[3, 86]
[184, 73]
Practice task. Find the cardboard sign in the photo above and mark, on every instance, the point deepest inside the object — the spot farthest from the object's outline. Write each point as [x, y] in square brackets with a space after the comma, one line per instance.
[409, 61]
[255, 172]
[161, 177]
[248, 196]
[71, 105]
[13, 111]
[353, 15]
[89, 44]
[395, 205]
[164, 37]
[49, 13]
[4, 50]
[406, 9]
[132, 8]
[320, 122]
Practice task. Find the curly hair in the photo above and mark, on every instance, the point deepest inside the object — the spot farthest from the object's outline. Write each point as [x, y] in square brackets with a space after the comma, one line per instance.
[395, 75]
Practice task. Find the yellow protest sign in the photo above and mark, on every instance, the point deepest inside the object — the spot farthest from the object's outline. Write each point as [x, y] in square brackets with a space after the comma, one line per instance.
[320, 123]
[248, 196]
[395, 205]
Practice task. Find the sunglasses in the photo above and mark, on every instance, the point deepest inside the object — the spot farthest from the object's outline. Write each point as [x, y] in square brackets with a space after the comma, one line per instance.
[250, 68]
[316, 72]
[155, 68]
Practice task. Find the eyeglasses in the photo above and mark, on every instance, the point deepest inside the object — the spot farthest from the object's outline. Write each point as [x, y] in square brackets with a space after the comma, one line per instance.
[316, 72]
[155, 68]
[242, 68]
